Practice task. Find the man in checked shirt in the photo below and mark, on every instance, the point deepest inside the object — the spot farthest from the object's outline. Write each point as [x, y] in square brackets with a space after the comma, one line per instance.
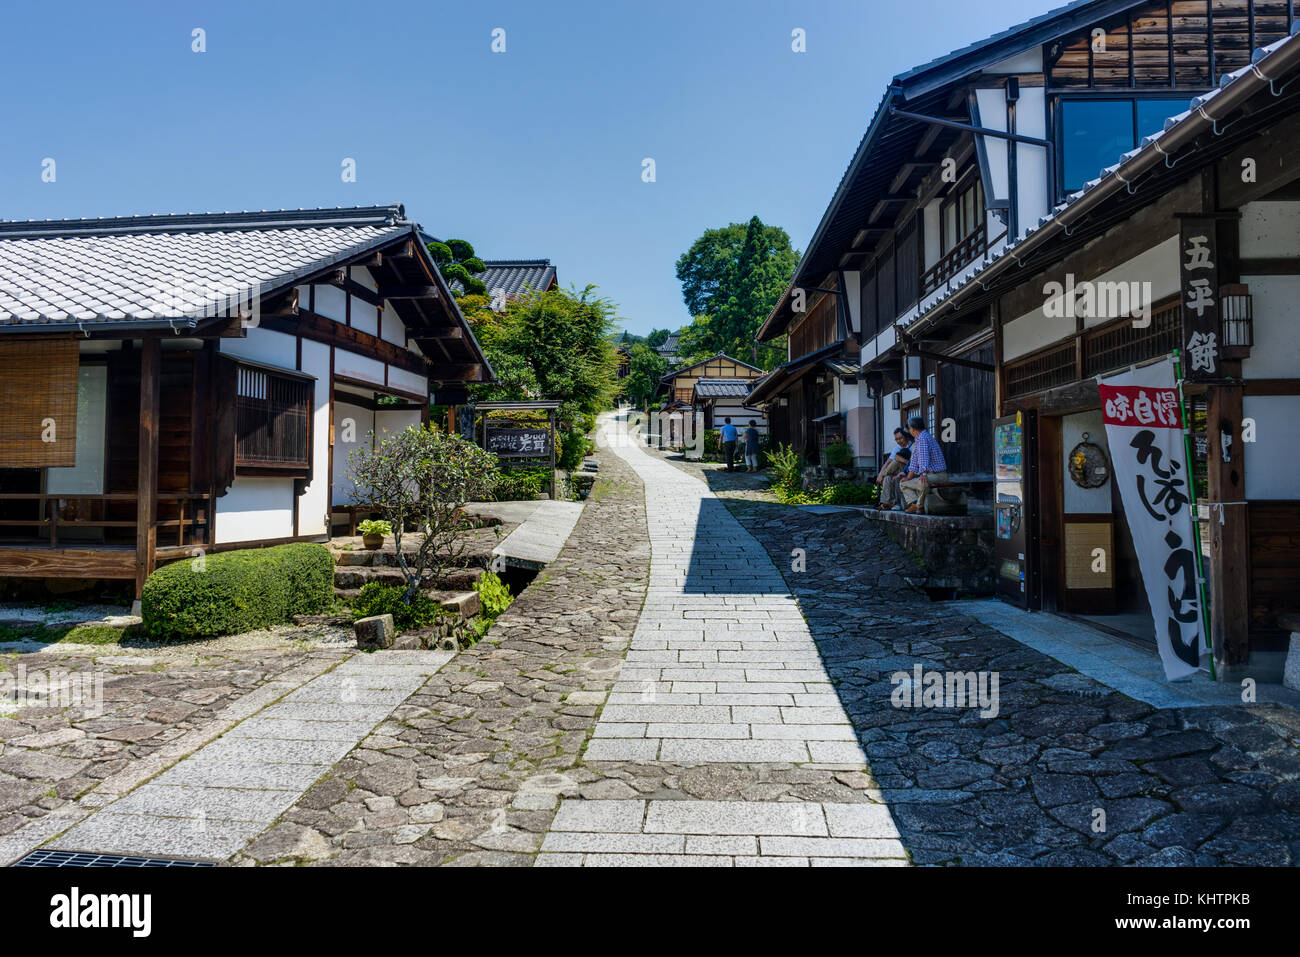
[926, 466]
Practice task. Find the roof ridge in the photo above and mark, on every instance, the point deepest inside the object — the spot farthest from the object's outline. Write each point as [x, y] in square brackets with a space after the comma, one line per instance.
[306, 218]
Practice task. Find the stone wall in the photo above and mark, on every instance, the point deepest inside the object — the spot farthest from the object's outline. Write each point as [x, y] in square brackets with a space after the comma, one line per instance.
[951, 551]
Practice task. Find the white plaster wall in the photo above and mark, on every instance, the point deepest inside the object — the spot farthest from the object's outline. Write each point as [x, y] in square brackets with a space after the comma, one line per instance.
[331, 302]
[1031, 161]
[1270, 230]
[1276, 352]
[393, 329]
[314, 501]
[270, 348]
[255, 508]
[358, 367]
[1271, 471]
[365, 317]
[930, 228]
[407, 381]
[352, 428]
[1083, 501]
[1157, 266]
[395, 420]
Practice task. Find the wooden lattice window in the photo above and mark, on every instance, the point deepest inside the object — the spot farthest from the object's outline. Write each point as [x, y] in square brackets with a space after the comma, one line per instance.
[273, 411]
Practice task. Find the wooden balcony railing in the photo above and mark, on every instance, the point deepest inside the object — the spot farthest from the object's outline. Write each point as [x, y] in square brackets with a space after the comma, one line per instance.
[190, 522]
[970, 247]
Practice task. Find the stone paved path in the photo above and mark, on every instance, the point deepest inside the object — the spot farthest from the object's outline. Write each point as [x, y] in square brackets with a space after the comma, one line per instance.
[215, 801]
[722, 672]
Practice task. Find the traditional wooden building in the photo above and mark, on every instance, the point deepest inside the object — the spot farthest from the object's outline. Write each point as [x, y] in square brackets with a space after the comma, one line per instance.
[1187, 247]
[679, 385]
[964, 155]
[720, 399]
[812, 399]
[191, 383]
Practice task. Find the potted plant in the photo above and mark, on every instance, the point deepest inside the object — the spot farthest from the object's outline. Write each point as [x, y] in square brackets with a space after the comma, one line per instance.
[373, 531]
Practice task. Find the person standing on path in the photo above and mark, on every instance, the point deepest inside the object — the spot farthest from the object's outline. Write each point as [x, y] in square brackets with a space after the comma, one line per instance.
[729, 443]
[751, 446]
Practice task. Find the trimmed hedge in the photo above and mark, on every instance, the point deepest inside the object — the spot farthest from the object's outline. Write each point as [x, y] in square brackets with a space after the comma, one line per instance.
[238, 591]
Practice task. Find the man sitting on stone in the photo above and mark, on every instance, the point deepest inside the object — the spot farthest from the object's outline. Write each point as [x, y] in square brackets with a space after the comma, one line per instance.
[926, 467]
[893, 469]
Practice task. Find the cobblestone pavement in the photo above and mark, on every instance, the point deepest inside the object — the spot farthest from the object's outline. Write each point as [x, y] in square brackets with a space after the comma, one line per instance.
[120, 715]
[469, 770]
[1068, 771]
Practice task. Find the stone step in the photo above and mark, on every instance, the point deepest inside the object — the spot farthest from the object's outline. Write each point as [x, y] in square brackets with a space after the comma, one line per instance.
[475, 554]
[355, 576]
[467, 604]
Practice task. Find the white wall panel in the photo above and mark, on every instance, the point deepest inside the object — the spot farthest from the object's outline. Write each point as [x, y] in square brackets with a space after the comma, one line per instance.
[1271, 459]
[331, 302]
[358, 367]
[352, 428]
[255, 509]
[1270, 230]
[277, 349]
[407, 381]
[1276, 353]
[314, 502]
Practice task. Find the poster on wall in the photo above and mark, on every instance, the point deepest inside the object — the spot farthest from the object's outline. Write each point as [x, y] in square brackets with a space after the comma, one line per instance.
[1145, 431]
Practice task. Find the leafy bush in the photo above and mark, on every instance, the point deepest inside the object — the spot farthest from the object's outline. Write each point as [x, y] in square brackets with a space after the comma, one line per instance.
[376, 598]
[375, 526]
[848, 493]
[839, 454]
[520, 484]
[787, 481]
[233, 592]
[494, 596]
[712, 445]
[573, 446]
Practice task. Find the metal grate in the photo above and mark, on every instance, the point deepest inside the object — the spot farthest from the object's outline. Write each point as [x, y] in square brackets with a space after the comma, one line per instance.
[93, 859]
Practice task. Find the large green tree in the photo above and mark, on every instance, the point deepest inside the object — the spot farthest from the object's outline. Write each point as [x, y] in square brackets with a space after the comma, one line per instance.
[731, 278]
[456, 261]
[554, 345]
[646, 367]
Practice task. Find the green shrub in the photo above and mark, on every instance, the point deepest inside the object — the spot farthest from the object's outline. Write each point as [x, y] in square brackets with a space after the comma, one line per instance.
[232, 592]
[376, 598]
[839, 454]
[494, 596]
[375, 526]
[573, 446]
[787, 478]
[848, 493]
[520, 484]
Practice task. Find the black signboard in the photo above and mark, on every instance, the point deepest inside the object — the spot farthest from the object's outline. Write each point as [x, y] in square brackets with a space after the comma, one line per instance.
[1198, 255]
[519, 443]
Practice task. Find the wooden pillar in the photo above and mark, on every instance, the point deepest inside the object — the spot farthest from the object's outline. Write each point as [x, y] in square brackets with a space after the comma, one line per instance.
[1228, 566]
[146, 489]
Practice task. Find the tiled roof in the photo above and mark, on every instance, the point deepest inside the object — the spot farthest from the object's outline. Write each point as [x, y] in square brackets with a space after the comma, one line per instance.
[172, 267]
[513, 276]
[723, 388]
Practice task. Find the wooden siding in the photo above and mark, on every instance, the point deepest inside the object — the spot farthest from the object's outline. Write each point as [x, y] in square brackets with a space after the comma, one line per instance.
[816, 330]
[966, 397]
[1186, 44]
[1274, 569]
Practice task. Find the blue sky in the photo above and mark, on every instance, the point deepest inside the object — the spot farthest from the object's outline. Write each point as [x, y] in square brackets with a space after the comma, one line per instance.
[535, 152]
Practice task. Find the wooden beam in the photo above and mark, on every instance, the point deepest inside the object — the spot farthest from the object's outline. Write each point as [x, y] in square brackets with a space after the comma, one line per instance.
[373, 261]
[146, 535]
[435, 332]
[113, 563]
[1229, 561]
[904, 174]
[285, 304]
[333, 277]
[457, 372]
[409, 292]
[883, 206]
[320, 329]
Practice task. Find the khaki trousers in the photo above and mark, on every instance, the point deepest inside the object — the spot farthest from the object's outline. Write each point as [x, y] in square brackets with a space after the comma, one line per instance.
[916, 489]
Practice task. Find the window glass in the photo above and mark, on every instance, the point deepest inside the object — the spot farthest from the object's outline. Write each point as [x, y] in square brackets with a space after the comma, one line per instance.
[1151, 115]
[1093, 135]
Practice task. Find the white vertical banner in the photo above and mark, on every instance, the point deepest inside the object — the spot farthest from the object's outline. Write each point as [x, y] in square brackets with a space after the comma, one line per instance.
[1145, 431]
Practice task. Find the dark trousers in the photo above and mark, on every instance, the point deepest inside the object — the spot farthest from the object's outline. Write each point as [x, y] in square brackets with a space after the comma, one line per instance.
[729, 450]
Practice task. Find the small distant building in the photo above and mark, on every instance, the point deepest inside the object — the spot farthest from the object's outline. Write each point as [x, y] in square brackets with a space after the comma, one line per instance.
[669, 350]
[718, 399]
[680, 383]
[509, 278]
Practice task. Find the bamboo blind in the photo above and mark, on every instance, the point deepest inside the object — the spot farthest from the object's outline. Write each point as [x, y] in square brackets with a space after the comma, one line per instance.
[38, 404]
[1081, 538]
